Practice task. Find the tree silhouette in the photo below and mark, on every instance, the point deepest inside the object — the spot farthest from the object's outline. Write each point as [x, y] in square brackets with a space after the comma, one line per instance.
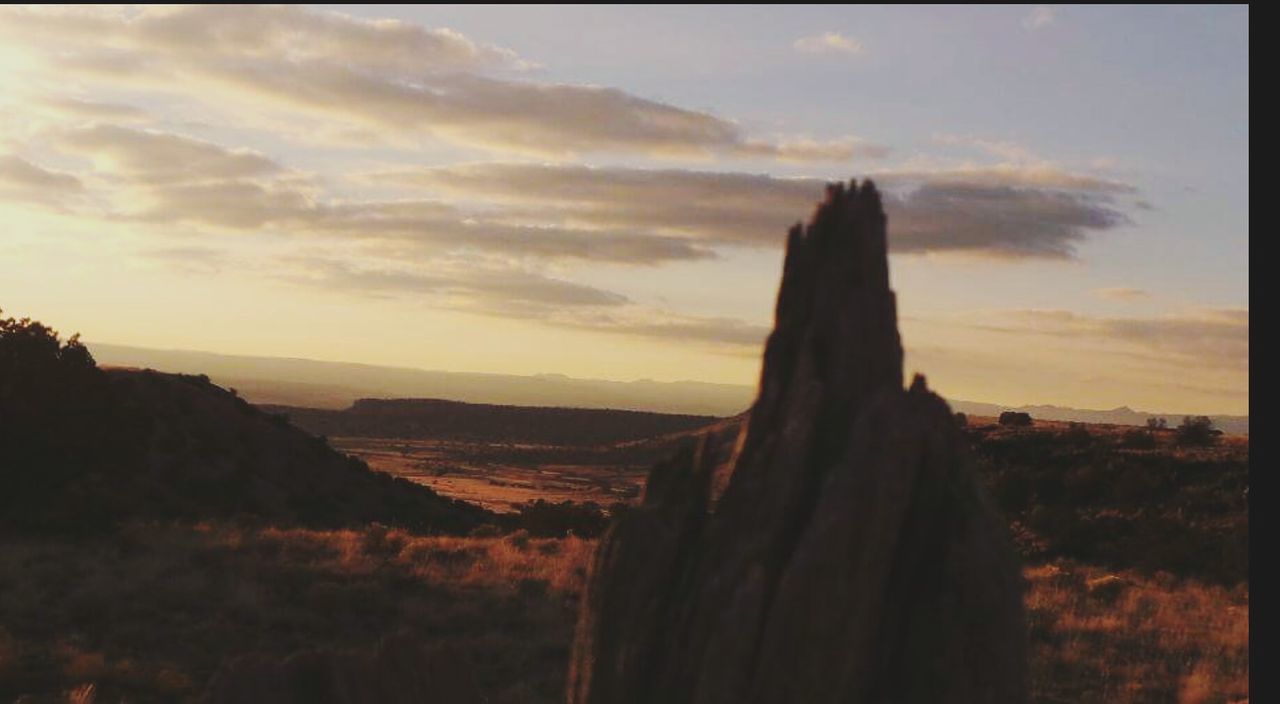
[1015, 419]
[61, 425]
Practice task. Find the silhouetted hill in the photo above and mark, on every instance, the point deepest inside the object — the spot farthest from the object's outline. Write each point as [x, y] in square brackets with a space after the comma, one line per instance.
[82, 448]
[454, 420]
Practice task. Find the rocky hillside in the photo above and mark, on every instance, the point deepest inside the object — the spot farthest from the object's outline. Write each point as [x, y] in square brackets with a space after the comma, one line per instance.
[82, 448]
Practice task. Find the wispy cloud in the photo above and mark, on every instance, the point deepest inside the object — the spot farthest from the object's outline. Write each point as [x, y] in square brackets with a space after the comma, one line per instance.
[1213, 337]
[24, 182]
[1006, 212]
[386, 76]
[1039, 17]
[827, 43]
[1122, 293]
[21, 175]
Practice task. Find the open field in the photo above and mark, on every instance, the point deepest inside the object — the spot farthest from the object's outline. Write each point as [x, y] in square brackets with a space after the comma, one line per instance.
[498, 476]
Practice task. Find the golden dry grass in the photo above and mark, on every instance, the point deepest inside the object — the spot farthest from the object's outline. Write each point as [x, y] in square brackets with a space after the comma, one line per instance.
[1122, 637]
[147, 615]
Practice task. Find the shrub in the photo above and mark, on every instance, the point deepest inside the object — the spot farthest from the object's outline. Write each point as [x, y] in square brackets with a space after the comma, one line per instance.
[962, 420]
[1015, 419]
[1077, 434]
[1138, 439]
[1197, 431]
[543, 518]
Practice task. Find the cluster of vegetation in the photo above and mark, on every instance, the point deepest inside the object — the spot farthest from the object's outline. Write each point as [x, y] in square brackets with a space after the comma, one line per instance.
[558, 520]
[1016, 419]
[1122, 499]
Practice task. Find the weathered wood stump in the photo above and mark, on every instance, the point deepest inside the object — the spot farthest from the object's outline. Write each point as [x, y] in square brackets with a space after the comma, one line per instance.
[852, 557]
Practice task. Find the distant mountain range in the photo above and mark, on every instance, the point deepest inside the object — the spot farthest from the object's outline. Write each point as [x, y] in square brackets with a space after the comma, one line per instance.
[1237, 425]
[336, 385]
[316, 384]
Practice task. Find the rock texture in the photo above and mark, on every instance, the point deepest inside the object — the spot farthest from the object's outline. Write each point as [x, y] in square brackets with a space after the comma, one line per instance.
[852, 556]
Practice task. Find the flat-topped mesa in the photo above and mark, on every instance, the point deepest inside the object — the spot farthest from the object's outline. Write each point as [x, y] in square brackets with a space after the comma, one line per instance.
[852, 557]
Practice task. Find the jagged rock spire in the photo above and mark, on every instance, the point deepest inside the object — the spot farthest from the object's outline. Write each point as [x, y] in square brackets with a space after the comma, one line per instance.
[852, 557]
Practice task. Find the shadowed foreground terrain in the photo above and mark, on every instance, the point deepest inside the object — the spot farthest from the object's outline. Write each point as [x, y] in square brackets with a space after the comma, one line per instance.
[149, 611]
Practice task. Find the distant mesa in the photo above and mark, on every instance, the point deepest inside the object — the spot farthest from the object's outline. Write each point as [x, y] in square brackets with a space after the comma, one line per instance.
[441, 419]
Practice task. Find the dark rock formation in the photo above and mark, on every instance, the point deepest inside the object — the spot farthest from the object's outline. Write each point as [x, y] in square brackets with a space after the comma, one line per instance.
[852, 557]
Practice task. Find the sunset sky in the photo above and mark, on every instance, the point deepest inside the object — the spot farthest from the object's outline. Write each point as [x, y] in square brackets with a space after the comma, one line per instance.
[603, 192]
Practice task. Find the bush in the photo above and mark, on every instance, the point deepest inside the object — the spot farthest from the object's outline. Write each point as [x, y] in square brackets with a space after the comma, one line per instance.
[962, 420]
[1157, 424]
[1138, 439]
[1197, 431]
[1015, 419]
[1077, 434]
[545, 519]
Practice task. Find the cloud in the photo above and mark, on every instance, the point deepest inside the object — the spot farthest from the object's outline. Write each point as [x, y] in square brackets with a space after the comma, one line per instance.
[1121, 293]
[161, 178]
[525, 295]
[1202, 338]
[828, 43]
[258, 32]
[566, 212]
[192, 259]
[387, 76]
[76, 108]
[489, 290]
[157, 157]
[482, 287]
[19, 174]
[1039, 17]
[716, 331]
[998, 220]
[24, 182]
[1001, 211]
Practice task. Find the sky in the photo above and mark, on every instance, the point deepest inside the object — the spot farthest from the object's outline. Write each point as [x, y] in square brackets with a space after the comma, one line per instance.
[604, 192]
